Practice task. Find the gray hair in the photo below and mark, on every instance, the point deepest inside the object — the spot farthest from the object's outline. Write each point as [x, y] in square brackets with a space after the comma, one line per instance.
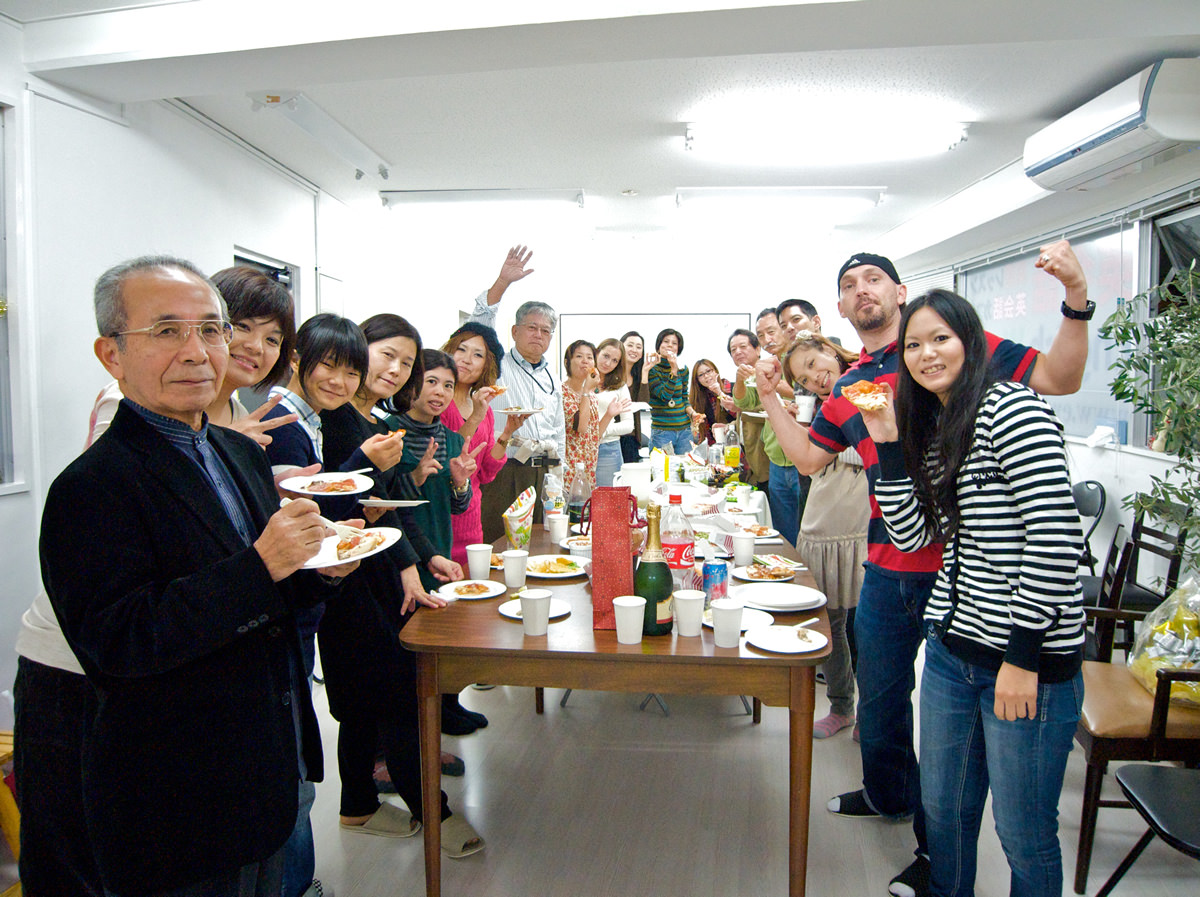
[110, 301]
[537, 308]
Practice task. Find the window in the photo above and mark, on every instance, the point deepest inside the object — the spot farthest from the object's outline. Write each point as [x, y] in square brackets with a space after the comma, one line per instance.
[6, 397]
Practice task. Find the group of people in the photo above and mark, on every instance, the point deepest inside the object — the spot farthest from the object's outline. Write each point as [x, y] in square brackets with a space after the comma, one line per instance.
[179, 609]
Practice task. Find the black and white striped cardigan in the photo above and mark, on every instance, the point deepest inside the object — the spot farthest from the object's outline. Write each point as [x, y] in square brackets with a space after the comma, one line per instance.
[1018, 544]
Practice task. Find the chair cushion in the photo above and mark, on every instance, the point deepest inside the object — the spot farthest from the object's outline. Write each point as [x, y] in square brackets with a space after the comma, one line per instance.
[1115, 705]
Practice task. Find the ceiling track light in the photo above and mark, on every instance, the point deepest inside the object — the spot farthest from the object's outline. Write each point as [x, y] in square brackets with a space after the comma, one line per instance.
[331, 134]
[497, 194]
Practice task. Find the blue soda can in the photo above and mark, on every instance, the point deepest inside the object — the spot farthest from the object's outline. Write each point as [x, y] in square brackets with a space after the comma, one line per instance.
[716, 581]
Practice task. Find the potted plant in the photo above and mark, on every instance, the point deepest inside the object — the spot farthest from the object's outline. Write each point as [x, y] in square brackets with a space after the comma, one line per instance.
[1158, 373]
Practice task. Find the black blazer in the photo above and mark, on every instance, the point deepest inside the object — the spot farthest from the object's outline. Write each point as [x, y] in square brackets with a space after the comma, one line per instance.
[190, 767]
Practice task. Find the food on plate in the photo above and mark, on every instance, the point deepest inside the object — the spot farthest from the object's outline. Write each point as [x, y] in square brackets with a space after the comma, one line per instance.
[804, 635]
[580, 541]
[867, 395]
[359, 543]
[496, 561]
[347, 485]
[472, 588]
[758, 571]
[557, 565]
[512, 409]
[757, 528]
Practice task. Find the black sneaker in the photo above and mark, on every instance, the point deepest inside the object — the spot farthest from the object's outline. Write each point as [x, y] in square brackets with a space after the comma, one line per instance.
[456, 724]
[474, 716]
[852, 804]
[913, 881]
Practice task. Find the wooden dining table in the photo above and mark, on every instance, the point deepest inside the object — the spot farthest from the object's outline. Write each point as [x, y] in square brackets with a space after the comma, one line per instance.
[469, 641]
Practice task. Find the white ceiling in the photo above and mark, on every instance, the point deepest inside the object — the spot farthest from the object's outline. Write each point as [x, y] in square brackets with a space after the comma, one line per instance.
[483, 96]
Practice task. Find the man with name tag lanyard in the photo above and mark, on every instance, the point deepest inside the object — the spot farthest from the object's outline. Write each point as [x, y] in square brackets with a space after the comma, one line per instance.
[529, 383]
[888, 624]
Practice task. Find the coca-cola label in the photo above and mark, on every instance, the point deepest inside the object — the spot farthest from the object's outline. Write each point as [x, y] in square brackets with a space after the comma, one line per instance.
[680, 555]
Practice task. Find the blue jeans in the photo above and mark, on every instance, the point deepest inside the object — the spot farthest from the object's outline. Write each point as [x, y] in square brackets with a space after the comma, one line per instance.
[787, 493]
[965, 748]
[608, 462]
[679, 440]
[888, 630]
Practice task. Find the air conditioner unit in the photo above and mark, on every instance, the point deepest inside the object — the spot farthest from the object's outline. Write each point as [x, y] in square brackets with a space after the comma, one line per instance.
[1151, 117]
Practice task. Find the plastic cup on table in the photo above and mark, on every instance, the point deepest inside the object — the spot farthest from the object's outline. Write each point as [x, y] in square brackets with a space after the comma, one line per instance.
[515, 560]
[630, 611]
[689, 611]
[479, 561]
[743, 549]
[535, 611]
[559, 524]
[727, 622]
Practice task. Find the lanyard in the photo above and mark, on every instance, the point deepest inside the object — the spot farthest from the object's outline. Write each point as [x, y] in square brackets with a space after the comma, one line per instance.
[535, 380]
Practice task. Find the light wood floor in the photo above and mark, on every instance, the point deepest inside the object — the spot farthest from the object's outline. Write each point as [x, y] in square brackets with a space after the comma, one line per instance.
[603, 800]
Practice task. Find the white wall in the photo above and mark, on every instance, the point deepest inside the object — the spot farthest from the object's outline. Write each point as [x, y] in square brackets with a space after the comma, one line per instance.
[100, 192]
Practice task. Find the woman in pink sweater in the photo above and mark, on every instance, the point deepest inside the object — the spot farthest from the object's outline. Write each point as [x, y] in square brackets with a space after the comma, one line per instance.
[477, 354]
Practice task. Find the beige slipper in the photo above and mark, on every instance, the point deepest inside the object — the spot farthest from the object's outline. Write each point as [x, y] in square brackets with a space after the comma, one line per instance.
[459, 839]
[388, 821]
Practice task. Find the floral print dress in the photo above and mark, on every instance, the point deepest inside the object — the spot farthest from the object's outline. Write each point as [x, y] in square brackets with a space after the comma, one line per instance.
[580, 447]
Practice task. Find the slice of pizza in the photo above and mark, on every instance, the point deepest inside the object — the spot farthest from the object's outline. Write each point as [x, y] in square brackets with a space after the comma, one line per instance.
[347, 485]
[359, 544]
[867, 395]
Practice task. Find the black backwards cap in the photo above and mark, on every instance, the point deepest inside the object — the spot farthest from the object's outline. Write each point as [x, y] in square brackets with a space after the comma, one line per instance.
[883, 263]
[489, 339]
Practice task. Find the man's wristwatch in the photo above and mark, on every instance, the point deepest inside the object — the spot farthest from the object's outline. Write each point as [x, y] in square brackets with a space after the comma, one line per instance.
[1086, 315]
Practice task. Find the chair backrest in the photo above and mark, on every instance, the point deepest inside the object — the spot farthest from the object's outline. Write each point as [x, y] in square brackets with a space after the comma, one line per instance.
[1090, 501]
[1159, 541]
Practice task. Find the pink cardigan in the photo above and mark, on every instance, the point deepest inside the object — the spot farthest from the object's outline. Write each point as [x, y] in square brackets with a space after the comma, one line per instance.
[468, 526]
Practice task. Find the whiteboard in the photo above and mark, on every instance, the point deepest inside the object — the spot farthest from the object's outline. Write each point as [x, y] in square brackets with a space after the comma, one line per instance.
[705, 335]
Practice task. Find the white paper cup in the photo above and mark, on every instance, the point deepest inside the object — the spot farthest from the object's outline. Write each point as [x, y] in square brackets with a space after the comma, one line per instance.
[630, 611]
[727, 622]
[743, 492]
[805, 407]
[559, 523]
[689, 611]
[743, 549]
[515, 560]
[479, 561]
[535, 611]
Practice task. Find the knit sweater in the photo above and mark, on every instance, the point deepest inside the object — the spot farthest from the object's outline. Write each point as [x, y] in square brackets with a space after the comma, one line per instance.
[1018, 542]
[468, 526]
[665, 389]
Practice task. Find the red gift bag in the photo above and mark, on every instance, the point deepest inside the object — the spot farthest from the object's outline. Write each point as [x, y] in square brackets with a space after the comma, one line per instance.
[613, 511]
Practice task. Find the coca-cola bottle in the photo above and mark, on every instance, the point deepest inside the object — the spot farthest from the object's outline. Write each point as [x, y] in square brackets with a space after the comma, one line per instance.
[678, 543]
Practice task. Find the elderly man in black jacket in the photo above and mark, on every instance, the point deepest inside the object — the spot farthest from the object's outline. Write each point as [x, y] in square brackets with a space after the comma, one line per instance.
[174, 574]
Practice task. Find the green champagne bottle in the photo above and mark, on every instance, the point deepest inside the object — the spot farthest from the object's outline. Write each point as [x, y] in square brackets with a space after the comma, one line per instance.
[653, 579]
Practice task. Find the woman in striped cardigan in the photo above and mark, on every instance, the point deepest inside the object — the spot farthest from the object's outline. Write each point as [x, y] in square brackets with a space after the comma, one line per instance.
[981, 465]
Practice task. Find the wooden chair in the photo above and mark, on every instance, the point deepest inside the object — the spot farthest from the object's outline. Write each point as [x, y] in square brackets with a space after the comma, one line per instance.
[10, 816]
[1122, 721]
[1090, 500]
[1098, 644]
[1169, 801]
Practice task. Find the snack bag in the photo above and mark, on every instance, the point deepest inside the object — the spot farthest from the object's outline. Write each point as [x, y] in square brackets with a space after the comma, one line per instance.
[518, 519]
[1170, 637]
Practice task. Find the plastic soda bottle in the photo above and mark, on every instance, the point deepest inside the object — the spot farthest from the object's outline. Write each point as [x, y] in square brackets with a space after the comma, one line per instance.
[678, 543]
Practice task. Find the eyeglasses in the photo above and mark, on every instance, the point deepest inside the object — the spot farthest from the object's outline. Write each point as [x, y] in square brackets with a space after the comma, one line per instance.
[540, 329]
[170, 333]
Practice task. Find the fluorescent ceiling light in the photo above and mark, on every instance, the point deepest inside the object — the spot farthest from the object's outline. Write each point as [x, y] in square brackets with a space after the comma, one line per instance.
[323, 128]
[828, 205]
[497, 194]
[798, 144]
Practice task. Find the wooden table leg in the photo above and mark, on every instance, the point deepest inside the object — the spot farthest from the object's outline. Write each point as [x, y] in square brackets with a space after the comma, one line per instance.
[429, 702]
[757, 717]
[800, 726]
[539, 700]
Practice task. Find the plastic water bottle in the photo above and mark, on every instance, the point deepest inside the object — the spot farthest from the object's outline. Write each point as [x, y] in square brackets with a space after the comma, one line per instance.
[552, 497]
[581, 491]
[678, 543]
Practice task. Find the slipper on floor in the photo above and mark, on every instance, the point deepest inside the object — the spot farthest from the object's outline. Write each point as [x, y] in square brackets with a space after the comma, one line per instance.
[453, 767]
[388, 822]
[459, 839]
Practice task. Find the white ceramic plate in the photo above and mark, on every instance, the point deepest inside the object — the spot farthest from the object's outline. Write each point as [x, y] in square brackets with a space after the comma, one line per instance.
[302, 485]
[512, 609]
[751, 619]
[778, 596]
[538, 559]
[388, 503]
[740, 573]
[785, 640]
[769, 534]
[327, 556]
[516, 410]
[575, 528]
[450, 590]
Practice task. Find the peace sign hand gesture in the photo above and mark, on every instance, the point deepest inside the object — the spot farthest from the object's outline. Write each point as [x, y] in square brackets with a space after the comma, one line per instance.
[464, 466]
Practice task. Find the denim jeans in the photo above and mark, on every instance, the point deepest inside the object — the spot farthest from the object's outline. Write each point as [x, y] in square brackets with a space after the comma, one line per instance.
[965, 748]
[608, 462]
[888, 630]
[679, 440]
[787, 493]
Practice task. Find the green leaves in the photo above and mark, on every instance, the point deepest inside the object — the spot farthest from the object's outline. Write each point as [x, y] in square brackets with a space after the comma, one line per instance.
[1157, 371]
